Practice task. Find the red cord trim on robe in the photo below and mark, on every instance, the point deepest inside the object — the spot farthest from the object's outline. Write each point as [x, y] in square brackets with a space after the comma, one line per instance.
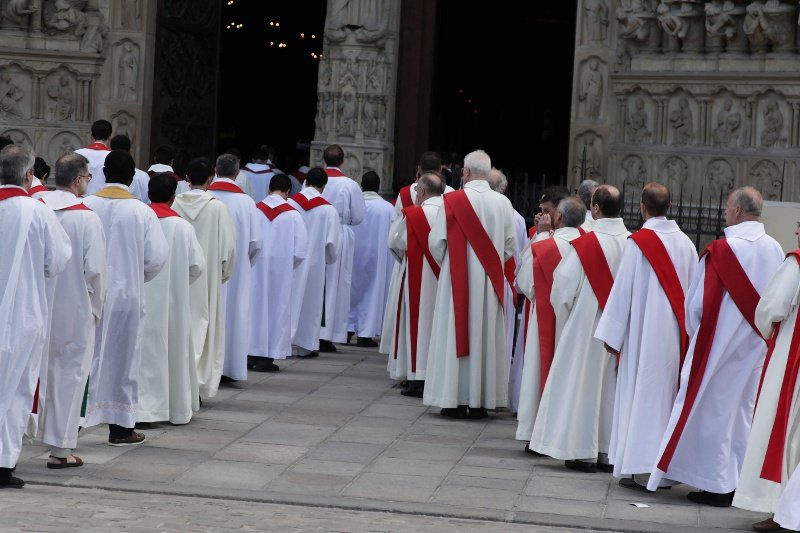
[12, 192]
[308, 205]
[225, 186]
[595, 265]
[272, 212]
[334, 173]
[653, 249]
[546, 257]
[163, 210]
[464, 227]
[405, 197]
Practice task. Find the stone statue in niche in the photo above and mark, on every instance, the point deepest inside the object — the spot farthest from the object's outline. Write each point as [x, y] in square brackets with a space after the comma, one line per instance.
[634, 172]
[66, 145]
[11, 95]
[595, 21]
[382, 118]
[682, 123]
[369, 116]
[676, 174]
[636, 125]
[64, 16]
[725, 134]
[365, 20]
[352, 166]
[123, 127]
[347, 111]
[588, 155]
[766, 177]
[638, 27]
[129, 15]
[770, 25]
[371, 162]
[61, 94]
[324, 74]
[675, 26]
[772, 135]
[719, 176]
[325, 111]
[93, 30]
[127, 73]
[17, 13]
[592, 89]
[721, 26]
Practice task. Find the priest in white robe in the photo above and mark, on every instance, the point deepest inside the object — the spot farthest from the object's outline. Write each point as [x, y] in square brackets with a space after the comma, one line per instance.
[324, 241]
[38, 189]
[773, 448]
[372, 265]
[237, 293]
[574, 418]
[471, 239]
[140, 177]
[787, 514]
[163, 159]
[258, 173]
[585, 191]
[214, 229]
[534, 279]
[78, 295]
[136, 250]
[277, 280]
[408, 241]
[168, 374]
[543, 220]
[33, 246]
[345, 195]
[643, 325]
[96, 153]
[705, 440]
[429, 162]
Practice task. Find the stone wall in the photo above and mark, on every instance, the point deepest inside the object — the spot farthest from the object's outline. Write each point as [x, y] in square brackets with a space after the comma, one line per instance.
[67, 63]
[693, 94]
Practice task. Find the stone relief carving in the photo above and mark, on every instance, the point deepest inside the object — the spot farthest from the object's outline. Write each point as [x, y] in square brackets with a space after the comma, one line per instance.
[324, 75]
[720, 177]
[727, 126]
[64, 16]
[127, 71]
[347, 111]
[62, 104]
[124, 124]
[770, 25]
[130, 14]
[365, 20]
[18, 13]
[681, 121]
[591, 89]
[638, 29]
[723, 19]
[767, 178]
[595, 21]
[62, 143]
[352, 166]
[675, 26]
[636, 125]
[369, 116]
[772, 123]
[588, 156]
[675, 175]
[324, 112]
[93, 31]
[11, 96]
[372, 161]
[634, 172]
[18, 136]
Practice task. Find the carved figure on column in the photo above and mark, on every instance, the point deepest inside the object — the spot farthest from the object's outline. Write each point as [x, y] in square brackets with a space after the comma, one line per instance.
[127, 69]
[682, 122]
[634, 172]
[63, 16]
[637, 130]
[592, 89]
[595, 21]
[637, 27]
[10, 96]
[721, 26]
[588, 158]
[325, 112]
[728, 123]
[673, 24]
[347, 111]
[94, 29]
[676, 174]
[773, 125]
[720, 177]
[17, 13]
[324, 74]
[771, 25]
[123, 127]
[766, 177]
[365, 20]
[369, 116]
[61, 94]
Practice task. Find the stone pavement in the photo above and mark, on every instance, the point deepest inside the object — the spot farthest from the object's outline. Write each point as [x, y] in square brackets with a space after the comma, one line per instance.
[334, 432]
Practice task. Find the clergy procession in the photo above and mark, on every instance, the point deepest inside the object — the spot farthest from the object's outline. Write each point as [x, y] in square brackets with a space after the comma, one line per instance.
[129, 297]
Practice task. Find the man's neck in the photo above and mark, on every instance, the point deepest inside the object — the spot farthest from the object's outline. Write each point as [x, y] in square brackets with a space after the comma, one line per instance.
[100, 141]
[69, 190]
[197, 187]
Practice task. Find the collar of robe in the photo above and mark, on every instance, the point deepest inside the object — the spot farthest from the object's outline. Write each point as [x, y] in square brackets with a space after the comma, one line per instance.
[222, 184]
[12, 192]
[163, 210]
[112, 192]
[99, 146]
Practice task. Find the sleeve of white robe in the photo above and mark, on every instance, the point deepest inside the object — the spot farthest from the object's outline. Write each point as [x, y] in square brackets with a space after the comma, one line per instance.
[357, 205]
[437, 239]
[227, 239]
[694, 299]
[156, 248]
[197, 259]
[509, 234]
[525, 273]
[58, 247]
[567, 281]
[779, 298]
[333, 236]
[256, 239]
[94, 266]
[300, 239]
[398, 238]
[613, 325]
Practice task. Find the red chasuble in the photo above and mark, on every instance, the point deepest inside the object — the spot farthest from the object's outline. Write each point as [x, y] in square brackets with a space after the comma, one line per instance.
[309, 204]
[546, 258]
[595, 265]
[463, 228]
[272, 212]
[405, 197]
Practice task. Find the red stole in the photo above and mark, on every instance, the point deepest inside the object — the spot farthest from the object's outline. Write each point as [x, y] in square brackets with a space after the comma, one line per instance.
[510, 272]
[773, 459]
[37, 189]
[418, 229]
[595, 265]
[163, 210]
[546, 258]
[76, 207]
[334, 173]
[464, 227]
[12, 192]
[309, 204]
[652, 247]
[99, 146]
[582, 231]
[405, 197]
[225, 186]
[723, 273]
[272, 212]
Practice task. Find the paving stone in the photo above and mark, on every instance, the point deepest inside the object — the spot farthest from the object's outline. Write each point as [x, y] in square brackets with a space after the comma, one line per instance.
[132, 470]
[393, 487]
[561, 507]
[286, 433]
[349, 452]
[231, 474]
[568, 489]
[496, 459]
[496, 473]
[151, 455]
[350, 433]
[662, 513]
[261, 452]
[502, 484]
[339, 405]
[195, 439]
[312, 417]
[310, 483]
[411, 467]
[393, 411]
[335, 468]
[730, 517]
[476, 497]
[416, 450]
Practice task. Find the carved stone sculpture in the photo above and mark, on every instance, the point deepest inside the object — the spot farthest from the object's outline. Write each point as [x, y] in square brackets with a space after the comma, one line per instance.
[726, 132]
[365, 20]
[676, 175]
[588, 160]
[369, 116]
[61, 94]
[675, 27]
[720, 177]
[591, 93]
[93, 30]
[325, 112]
[64, 16]
[636, 125]
[772, 135]
[722, 25]
[124, 125]
[11, 95]
[634, 172]
[595, 21]
[638, 29]
[770, 26]
[682, 123]
[347, 111]
[17, 13]
[127, 73]
[766, 177]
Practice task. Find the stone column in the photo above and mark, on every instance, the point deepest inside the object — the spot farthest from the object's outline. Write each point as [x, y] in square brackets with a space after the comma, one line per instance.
[357, 86]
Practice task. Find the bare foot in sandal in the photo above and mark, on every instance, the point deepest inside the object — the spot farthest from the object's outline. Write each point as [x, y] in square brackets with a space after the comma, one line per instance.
[64, 462]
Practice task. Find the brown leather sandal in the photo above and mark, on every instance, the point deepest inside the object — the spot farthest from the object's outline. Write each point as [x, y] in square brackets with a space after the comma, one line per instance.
[64, 462]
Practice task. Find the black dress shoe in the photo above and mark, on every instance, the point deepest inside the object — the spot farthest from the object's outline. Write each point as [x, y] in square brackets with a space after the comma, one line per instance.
[326, 346]
[350, 336]
[366, 342]
[476, 413]
[533, 452]
[711, 498]
[413, 392]
[267, 366]
[226, 379]
[309, 355]
[581, 466]
[459, 412]
[143, 425]
[605, 467]
[12, 483]
[630, 483]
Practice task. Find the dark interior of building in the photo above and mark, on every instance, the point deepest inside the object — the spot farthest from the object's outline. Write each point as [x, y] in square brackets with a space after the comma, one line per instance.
[502, 78]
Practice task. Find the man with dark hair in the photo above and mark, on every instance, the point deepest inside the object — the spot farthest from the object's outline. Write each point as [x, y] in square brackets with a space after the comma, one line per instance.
[276, 278]
[259, 172]
[165, 388]
[324, 241]
[428, 162]
[582, 379]
[372, 265]
[41, 170]
[216, 232]
[237, 292]
[77, 302]
[345, 195]
[135, 252]
[585, 191]
[34, 246]
[644, 318]
[140, 177]
[96, 154]
[163, 159]
[548, 202]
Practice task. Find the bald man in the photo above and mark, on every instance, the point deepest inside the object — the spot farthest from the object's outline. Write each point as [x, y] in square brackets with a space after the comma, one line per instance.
[705, 441]
[644, 321]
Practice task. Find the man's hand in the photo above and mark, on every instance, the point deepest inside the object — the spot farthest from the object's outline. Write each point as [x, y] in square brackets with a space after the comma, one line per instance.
[543, 223]
[611, 350]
